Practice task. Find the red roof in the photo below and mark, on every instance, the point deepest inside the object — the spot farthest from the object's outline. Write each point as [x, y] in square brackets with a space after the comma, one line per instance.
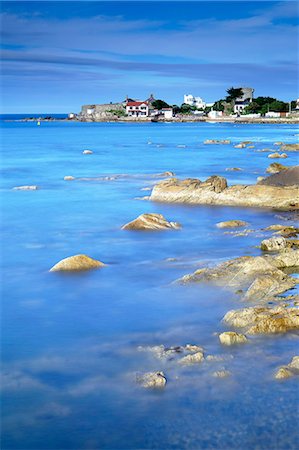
[136, 103]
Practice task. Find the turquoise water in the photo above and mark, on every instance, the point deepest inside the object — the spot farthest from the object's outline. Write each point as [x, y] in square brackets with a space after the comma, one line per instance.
[70, 342]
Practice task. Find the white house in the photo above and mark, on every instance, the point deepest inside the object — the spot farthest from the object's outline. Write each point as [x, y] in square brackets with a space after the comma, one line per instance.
[244, 100]
[198, 102]
[167, 112]
[137, 109]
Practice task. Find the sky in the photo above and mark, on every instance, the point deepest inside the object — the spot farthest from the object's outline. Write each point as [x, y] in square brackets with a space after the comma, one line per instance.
[59, 55]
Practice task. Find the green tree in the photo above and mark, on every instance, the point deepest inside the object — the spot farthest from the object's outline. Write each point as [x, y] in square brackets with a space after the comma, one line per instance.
[233, 94]
[279, 106]
[159, 104]
[219, 106]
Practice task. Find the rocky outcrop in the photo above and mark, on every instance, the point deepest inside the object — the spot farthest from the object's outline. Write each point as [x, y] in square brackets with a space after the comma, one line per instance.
[288, 177]
[231, 224]
[232, 338]
[214, 191]
[264, 320]
[151, 222]
[290, 370]
[77, 263]
[25, 188]
[276, 168]
[260, 277]
[274, 244]
[290, 147]
[277, 155]
[156, 380]
[193, 358]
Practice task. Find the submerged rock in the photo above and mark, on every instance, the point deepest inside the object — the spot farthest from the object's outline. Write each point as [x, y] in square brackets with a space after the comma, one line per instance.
[152, 380]
[151, 221]
[232, 224]
[214, 191]
[87, 152]
[274, 244]
[264, 320]
[262, 275]
[77, 263]
[222, 374]
[69, 178]
[25, 188]
[232, 338]
[233, 169]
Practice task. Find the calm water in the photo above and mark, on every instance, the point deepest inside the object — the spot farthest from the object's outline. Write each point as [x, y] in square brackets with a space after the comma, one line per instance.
[69, 352]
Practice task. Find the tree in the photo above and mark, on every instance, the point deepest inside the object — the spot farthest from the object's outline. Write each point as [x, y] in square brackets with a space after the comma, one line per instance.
[252, 108]
[219, 106]
[186, 109]
[159, 104]
[233, 94]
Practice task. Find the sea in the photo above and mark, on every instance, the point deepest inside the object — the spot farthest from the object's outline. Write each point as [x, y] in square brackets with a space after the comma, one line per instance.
[74, 344]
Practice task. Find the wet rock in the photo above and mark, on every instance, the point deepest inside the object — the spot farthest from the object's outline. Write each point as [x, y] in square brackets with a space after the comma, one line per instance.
[288, 177]
[69, 178]
[214, 191]
[232, 338]
[151, 221]
[231, 224]
[274, 244]
[290, 147]
[241, 145]
[216, 141]
[149, 380]
[233, 169]
[264, 320]
[87, 152]
[193, 348]
[222, 374]
[241, 273]
[25, 188]
[219, 358]
[287, 232]
[77, 263]
[162, 352]
[290, 370]
[277, 155]
[192, 358]
[276, 168]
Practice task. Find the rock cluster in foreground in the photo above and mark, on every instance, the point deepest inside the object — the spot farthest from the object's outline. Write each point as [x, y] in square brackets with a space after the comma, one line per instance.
[269, 193]
[148, 222]
[290, 370]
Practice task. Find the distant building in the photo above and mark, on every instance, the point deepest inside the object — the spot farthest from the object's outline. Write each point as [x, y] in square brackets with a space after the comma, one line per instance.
[244, 100]
[167, 113]
[137, 108]
[215, 114]
[198, 102]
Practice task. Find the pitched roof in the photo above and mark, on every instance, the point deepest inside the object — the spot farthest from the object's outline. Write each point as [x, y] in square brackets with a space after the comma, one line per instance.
[136, 103]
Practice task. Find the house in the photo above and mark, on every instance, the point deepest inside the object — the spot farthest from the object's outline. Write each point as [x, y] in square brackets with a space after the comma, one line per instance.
[198, 102]
[167, 113]
[244, 100]
[137, 108]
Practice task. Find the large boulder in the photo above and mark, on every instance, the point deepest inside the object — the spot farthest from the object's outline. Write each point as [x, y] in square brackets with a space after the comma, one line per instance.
[264, 320]
[232, 338]
[151, 222]
[76, 263]
[274, 244]
[193, 358]
[214, 191]
[276, 168]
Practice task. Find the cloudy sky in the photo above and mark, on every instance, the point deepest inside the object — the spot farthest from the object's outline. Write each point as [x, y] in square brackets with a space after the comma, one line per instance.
[57, 56]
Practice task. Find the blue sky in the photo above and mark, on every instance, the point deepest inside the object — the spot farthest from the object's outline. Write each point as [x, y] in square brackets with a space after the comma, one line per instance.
[57, 56]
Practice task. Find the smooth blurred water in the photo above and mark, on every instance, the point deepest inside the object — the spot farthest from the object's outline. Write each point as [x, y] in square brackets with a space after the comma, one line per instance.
[69, 342]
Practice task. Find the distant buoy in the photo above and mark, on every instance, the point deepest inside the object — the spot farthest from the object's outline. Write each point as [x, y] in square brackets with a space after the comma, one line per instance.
[38, 123]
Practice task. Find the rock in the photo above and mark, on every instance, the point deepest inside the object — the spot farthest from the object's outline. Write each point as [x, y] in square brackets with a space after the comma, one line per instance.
[152, 380]
[87, 152]
[233, 169]
[241, 145]
[276, 168]
[231, 224]
[214, 191]
[77, 263]
[260, 179]
[26, 188]
[251, 146]
[69, 178]
[274, 244]
[151, 222]
[278, 227]
[162, 352]
[193, 348]
[231, 338]
[193, 358]
[222, 374]
[218, 358]
[264, 320]
[283, 372]
[241, 273]
[288, 231]
[290, 147]
[216, 141]
[278, 143]
[287, 177]
[290, 370]
[277, 155]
